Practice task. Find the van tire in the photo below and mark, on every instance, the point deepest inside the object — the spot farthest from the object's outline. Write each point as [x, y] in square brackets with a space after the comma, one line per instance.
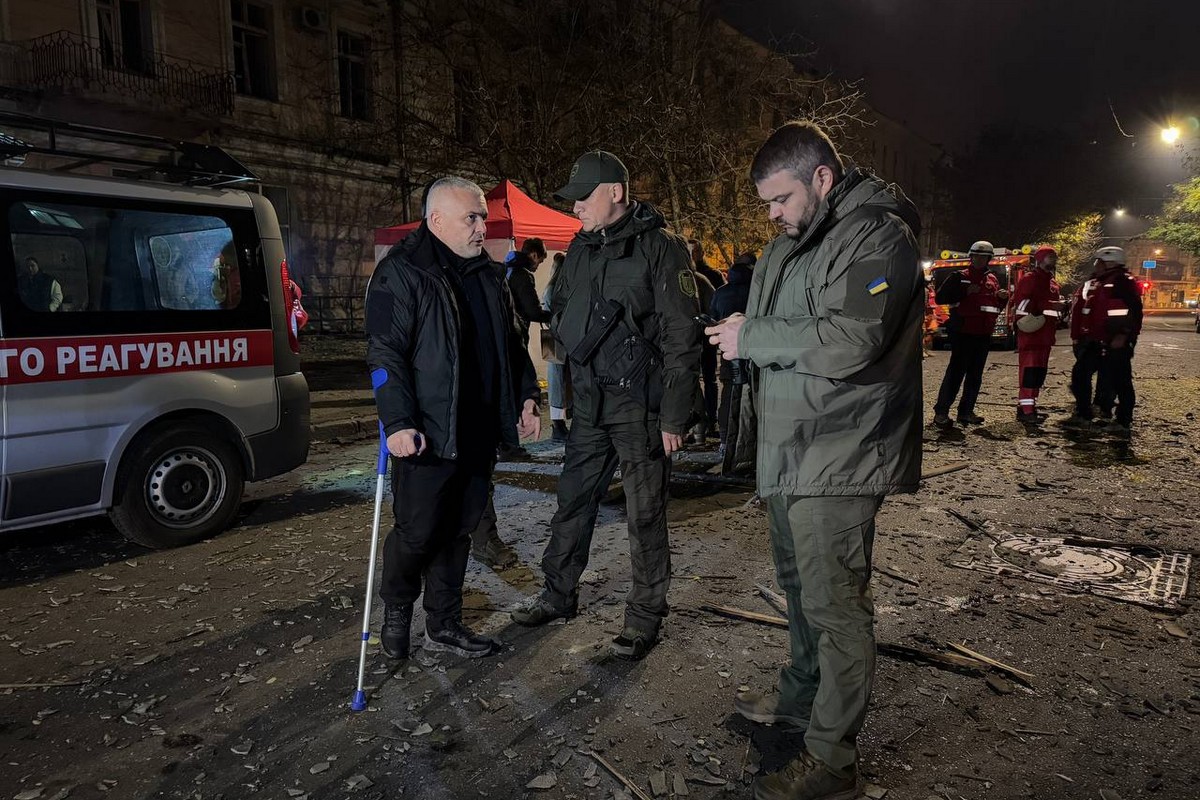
[177, 485]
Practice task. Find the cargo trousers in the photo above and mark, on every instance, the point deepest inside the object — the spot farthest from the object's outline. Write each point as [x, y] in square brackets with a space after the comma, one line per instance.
[592, 454]
[822, 550]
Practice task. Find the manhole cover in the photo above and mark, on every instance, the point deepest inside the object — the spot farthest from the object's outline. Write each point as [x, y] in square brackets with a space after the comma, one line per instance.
[1144, 576]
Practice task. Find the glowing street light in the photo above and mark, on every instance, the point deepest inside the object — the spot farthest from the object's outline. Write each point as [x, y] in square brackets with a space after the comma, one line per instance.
[1120, 212]
[1170, 135]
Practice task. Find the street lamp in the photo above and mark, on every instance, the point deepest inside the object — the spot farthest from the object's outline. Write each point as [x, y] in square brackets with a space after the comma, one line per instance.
[1120, 212]
[1170, 135]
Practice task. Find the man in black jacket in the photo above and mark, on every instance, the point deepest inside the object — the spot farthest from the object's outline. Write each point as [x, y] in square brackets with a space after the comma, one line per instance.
[623, 307]
[728, 300]
[452, 381]
[522, 266]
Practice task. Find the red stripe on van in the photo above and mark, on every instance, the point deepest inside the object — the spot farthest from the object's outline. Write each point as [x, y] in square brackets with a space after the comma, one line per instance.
[87, 357]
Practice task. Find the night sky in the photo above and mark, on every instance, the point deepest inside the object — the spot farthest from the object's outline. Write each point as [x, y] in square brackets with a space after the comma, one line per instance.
[948, 67]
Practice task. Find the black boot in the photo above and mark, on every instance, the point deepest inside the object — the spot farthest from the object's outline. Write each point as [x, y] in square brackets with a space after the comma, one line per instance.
[459, 639]
[540, 609]
[397, 618]
[559, 431]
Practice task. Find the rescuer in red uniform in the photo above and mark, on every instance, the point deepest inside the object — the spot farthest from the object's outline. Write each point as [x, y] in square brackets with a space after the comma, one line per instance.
[1105, 332]
[976, 299]
[1036, 307]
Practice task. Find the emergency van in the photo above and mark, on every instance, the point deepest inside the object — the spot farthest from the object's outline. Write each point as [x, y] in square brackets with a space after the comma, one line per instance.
[149, 351]
[1008, 266]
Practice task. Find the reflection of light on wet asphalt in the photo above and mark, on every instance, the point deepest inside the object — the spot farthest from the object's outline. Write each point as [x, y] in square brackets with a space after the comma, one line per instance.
[348, 479]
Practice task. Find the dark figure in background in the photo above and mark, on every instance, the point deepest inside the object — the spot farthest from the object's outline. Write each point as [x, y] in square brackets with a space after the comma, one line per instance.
[624, 307]
[1104, 334]
[452, 381]
[975, 299]
[701, 265]
[728, 300]
[705, 407]
[39, 291]
[521, 267]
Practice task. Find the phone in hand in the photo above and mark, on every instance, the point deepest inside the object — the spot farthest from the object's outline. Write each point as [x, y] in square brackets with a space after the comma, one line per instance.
[705, 320]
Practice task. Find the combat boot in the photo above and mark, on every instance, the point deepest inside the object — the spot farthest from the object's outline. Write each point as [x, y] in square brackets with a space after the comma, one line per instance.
[765, 709]
[540, 609]
[393, 637]
[806, 778]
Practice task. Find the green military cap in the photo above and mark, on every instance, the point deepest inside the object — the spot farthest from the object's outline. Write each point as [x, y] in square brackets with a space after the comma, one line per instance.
[592, 169]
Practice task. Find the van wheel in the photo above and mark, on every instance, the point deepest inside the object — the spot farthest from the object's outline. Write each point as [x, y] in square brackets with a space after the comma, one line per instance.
[178, 485]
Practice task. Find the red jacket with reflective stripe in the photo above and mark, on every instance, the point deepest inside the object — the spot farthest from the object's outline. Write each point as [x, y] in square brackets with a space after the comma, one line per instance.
[1115, 306]
[1037, 293]
[977, 312]
[1080, 313]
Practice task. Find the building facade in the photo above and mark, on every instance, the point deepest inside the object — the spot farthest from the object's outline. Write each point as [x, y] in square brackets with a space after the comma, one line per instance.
[290, 89]
[1171, 276]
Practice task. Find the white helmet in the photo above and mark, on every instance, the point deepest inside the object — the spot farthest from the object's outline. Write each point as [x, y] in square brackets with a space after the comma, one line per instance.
[1113, 255]
[981, 248]
[1030, 323]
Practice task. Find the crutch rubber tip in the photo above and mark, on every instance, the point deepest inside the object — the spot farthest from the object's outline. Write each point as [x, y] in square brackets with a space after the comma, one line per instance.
[359, 703]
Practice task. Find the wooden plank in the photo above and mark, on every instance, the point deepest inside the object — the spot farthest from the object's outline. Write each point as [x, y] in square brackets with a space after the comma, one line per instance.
[633, 788]
[1000, 665]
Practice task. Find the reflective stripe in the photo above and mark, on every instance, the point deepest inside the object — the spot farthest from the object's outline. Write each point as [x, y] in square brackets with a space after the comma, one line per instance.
[1049, 313]
[1021, 308]
[1118, 312]
[989, 309]
[1021, 313]
[1108, 286]
[1086, 310]
[1028, 402]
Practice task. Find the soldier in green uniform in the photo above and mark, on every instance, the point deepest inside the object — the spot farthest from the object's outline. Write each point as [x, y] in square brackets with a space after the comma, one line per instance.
[624, 307]
[831, 424]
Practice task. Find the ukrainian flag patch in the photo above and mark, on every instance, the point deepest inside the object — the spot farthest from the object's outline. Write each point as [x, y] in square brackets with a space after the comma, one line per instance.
[878, 285]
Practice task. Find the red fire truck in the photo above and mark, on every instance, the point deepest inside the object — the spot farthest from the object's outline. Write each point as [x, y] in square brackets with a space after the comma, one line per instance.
[1008, 266]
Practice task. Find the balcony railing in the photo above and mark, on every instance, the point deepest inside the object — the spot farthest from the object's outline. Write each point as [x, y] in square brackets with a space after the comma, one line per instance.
[71, 63]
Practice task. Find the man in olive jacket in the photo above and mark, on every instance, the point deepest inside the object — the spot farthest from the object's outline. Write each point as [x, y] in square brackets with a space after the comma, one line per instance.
[833, 334]
[626, 275]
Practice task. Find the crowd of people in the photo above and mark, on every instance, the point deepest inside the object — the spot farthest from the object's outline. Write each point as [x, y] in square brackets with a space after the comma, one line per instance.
[817, 343]
[1105, 319]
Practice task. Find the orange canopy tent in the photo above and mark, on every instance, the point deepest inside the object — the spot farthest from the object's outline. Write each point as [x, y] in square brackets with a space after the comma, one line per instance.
[512, 214]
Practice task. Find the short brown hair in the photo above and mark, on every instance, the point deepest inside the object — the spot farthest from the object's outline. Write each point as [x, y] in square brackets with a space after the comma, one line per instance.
[799, 147]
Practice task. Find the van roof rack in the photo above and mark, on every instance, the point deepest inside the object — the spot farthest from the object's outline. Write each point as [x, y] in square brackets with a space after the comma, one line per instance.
[187, 163]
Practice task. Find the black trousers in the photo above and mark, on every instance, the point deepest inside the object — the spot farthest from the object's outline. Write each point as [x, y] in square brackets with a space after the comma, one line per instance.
[593, 452]
[437, 504]
[1113, 369]
[708, 374]
[968, 357]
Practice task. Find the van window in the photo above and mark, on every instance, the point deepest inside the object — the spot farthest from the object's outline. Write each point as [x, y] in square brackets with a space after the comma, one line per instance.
[72, 258]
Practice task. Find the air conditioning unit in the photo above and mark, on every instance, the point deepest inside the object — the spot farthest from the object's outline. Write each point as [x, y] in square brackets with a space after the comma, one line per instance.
[312, 19]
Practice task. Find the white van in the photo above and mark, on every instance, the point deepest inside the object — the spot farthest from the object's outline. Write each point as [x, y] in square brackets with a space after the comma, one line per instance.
[149, 354]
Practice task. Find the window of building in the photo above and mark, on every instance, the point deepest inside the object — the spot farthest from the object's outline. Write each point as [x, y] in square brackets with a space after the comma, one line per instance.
[353, 84]
[123, 33]
[253, 63]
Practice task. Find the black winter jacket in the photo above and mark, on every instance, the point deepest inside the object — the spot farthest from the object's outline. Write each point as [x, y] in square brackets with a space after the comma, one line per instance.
[734, 295]
[413, 334]
[524, 292]
[644, 267]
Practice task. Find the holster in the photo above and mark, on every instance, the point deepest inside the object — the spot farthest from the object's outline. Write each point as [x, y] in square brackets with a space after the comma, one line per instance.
[604, 317]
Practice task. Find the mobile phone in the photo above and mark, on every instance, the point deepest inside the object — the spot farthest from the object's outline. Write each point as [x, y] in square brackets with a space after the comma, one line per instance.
[705, 320]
